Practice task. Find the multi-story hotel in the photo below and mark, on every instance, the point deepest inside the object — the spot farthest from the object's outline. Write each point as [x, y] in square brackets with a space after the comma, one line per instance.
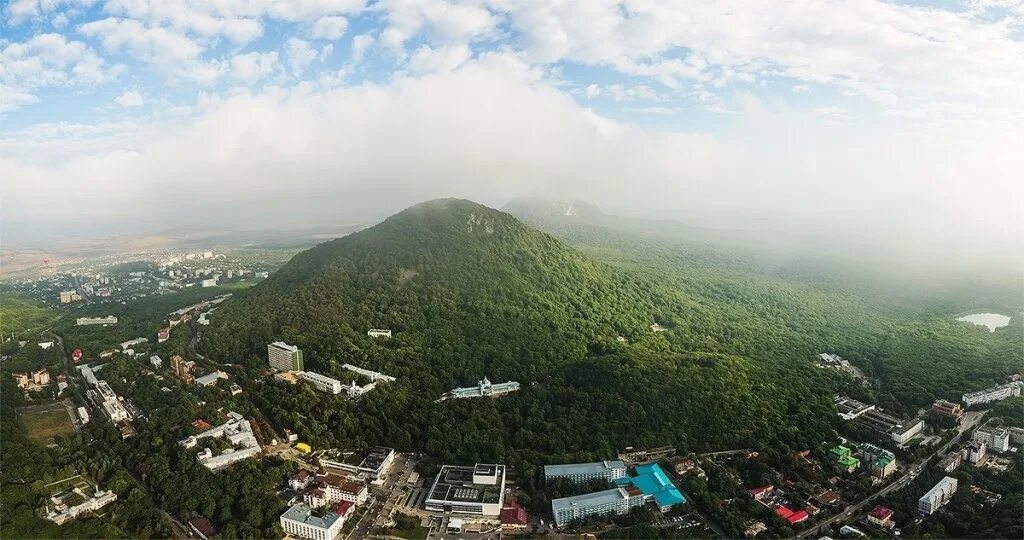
[301, 522]
[284, 357]
[582, 472]
[610, 501]
[937, 496]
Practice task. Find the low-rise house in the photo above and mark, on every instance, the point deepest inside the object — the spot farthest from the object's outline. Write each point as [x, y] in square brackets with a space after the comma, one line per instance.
[882, 516]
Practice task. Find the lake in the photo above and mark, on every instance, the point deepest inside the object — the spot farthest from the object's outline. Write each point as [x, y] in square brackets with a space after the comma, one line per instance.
[990, 320]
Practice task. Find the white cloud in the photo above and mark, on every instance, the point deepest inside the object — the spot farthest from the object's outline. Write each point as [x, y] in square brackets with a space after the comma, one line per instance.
[442, 60]
[490, 130]
[329, 27]
[19, 11]
[441, 21]
[299, 54]
[157, 45]
[130, 99]
[47, 60]
[252, 67]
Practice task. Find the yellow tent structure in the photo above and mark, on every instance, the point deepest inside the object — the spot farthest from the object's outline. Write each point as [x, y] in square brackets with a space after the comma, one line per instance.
[303, 447]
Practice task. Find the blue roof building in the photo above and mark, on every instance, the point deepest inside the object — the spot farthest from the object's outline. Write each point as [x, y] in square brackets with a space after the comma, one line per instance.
[652, 481]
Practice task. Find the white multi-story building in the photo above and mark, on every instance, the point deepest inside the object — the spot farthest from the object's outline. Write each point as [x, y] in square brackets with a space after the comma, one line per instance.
[379, 332]
[83, 415]
[322, 383]
[132, 342]
[903, 433]
[300, 522]
[996, 393]
[371, 463]
[115, 410]
[237, 431]
[485, 389]
[973, 452]
[374, 376]
[937, 496]
[333, 488]
[85, 321]
[62, 513]
[616, 501]
[156, 360]
[208, 283]
[478, 490]
[995, 438]
[583, 472]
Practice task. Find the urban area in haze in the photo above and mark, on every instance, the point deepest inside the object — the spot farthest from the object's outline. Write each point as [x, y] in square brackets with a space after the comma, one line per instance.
[485, 270]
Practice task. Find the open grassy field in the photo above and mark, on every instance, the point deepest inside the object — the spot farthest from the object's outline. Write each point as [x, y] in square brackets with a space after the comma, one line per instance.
[44, 422]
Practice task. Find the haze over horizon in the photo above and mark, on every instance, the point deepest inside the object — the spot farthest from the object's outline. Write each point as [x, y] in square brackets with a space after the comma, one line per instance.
[894, 124]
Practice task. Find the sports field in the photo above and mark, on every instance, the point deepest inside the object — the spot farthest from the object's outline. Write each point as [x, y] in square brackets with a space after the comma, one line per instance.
[46, 421]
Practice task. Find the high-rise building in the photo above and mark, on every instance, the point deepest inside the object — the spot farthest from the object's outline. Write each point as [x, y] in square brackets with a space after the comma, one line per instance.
[284, 357]
[996, 438]
[617, 501]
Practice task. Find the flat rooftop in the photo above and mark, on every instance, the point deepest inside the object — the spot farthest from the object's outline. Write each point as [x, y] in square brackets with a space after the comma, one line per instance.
[304, 514]
[582, 469]
[607, 496]
[455, 483]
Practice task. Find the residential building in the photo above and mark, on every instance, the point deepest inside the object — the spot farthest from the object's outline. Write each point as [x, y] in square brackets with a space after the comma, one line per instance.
[582, 472]
[759, 493]
[950, 462]
[881, 461]
[285, 357]
[301, 522]
[973, 452]
[478, 490]
[300, 479]
[33, 380]
[610, 501]
[83, 415]
[156, 361]
[937, 496]
[995, 393]
[1016, 435]
[845, 459]
[333, 488]
[235, 389]
[379, 333]
[322, 383]
[484, 389]
[996, 438]
[182, 368]
[372, 463]
[882, 516]
[85, 321]
[754, 528]
[655, 486]
[948, 408]
[208, 283]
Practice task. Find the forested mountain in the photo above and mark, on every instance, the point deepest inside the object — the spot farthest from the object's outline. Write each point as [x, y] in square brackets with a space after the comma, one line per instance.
[471, 292]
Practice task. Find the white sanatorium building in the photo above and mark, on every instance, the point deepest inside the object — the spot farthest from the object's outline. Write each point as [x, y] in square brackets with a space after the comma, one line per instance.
[85, 321]
[300, 522]
[996, 393]
[485, 389]
[583, 472]
[237, 431]
[617, 500]
[322, 383]
[937, 496]
[995, 438]
[62, 513]
[374, 376]
[379, 332]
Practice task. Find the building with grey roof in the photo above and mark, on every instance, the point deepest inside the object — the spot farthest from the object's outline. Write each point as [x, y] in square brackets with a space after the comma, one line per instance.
[619, 500]
[583, 472]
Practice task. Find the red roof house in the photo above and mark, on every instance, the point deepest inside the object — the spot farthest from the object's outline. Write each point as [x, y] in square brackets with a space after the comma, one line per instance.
[513, 515]
[881, 516]
[344, 508]
[759, 492]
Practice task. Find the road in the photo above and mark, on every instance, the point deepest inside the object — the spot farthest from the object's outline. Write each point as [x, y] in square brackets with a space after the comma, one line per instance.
[914, 470]
[382, 503]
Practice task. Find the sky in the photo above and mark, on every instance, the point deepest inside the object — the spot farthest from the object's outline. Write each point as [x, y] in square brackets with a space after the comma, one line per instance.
[897, 123]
